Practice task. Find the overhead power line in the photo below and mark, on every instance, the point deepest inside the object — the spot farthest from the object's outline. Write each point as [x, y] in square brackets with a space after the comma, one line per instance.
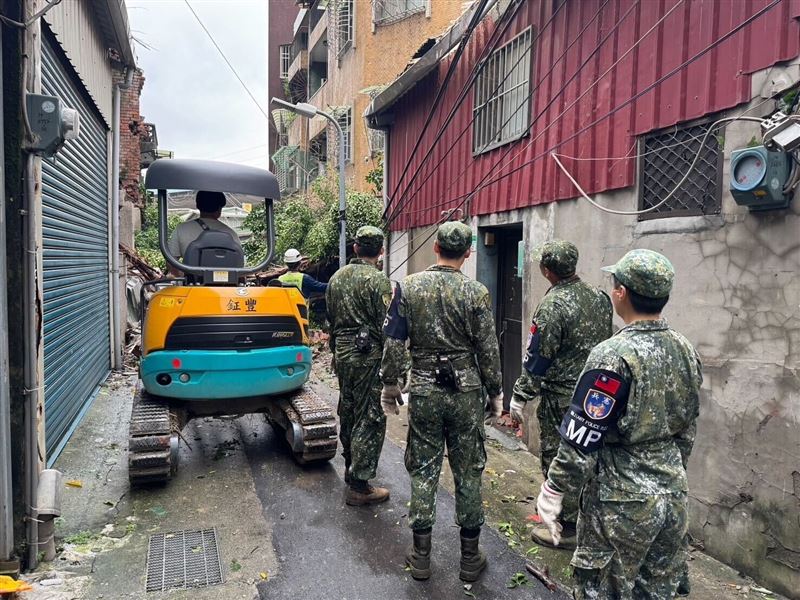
[496, 36]
[641, 93]
[616, 109]
[227, 62]
[398, 210]
[473, 23]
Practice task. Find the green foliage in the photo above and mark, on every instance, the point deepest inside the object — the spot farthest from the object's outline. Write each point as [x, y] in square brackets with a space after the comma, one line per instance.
[146, 240]
[311, 223]
[375, 176]
[293, 219]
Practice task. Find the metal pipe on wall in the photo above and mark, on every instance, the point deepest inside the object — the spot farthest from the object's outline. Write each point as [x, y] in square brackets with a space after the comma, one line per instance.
[31, 366]
[114, 216]
[6, 496]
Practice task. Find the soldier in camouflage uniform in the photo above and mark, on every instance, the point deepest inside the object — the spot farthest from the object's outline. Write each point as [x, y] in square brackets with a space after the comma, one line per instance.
[626, 439]
[448, 322]
[572, 318]
[357, 298]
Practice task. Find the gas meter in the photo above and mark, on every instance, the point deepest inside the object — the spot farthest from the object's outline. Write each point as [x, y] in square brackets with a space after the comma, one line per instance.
[758, 178]
[51, 123]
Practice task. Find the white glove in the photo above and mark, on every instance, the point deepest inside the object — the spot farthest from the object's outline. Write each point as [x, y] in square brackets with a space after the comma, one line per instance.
[516, 408]
[391, 400]
[496, 405]
[548, 505]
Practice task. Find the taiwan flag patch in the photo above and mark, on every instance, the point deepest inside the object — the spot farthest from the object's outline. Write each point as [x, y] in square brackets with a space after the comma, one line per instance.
[607, 384]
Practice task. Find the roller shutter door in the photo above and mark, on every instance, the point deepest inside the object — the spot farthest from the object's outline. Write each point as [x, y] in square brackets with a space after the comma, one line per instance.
[76, 275]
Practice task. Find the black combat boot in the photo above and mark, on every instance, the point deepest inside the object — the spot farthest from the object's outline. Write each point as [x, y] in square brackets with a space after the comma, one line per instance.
[418, 558]
[473, 560]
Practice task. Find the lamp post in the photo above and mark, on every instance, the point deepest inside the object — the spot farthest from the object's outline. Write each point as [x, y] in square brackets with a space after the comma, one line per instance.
[310, 111]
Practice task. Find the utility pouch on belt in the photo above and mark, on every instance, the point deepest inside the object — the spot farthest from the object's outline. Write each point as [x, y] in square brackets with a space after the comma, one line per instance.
[363, 341]
[444, 374]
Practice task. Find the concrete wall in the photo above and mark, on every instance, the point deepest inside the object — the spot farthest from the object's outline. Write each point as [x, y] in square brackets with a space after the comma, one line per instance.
[737, 298]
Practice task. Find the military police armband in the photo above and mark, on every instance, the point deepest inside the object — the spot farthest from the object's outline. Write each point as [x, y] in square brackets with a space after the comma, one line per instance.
[395, 326]
[535, 363]
[599, 399]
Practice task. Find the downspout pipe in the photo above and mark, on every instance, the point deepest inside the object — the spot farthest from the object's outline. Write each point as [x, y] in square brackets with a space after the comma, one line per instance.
[116, 324]
[31, 366]
[6, 496]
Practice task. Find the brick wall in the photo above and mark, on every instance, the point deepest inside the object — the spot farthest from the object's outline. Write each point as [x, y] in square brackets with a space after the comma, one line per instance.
[130, 128]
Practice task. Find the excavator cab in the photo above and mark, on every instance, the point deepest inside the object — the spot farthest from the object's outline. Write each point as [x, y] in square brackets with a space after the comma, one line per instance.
[213, 345]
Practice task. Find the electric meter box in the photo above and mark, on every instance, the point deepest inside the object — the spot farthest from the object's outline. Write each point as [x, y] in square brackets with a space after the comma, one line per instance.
[758, 177]
[52, 123]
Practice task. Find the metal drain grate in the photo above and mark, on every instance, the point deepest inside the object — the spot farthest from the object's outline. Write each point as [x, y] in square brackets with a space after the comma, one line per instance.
[183, 559]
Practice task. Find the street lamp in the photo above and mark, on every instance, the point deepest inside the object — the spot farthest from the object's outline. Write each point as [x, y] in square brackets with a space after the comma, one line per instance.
[310, 111]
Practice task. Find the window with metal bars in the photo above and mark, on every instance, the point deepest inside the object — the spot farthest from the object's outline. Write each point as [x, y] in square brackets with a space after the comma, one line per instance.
[385, 12]
[666, 157]
[501, 108]
[377, 141]
[286, 60]
[345, 118]
[344, 26]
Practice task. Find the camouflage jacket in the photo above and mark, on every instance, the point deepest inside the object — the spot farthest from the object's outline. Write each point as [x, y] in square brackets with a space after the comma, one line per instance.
[572, 318]
[632, 421]
[442, 312]
[357, 297]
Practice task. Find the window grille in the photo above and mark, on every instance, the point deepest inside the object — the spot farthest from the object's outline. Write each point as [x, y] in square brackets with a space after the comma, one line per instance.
[286, 60]
[346, 122]
[377, 141]
[344, 26]
[501, 110]
[666, 158]
[385, 12]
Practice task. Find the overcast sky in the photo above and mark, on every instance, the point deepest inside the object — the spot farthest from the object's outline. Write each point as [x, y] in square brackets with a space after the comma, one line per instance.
[199, 108]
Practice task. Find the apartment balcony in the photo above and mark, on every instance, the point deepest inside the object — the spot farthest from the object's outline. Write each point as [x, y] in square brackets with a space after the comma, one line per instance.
[319, 33]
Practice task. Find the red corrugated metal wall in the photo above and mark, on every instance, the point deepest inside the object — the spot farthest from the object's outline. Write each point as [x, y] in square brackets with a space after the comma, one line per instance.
[582, 52]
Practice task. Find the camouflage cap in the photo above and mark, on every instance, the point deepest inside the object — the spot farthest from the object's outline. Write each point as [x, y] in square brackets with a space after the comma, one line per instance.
[454, 236]
[645, 272]
[369, 236]
[560, 256]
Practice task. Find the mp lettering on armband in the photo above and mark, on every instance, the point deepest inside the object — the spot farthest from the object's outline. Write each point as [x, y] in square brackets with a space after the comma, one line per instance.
[395, 326]
[599, 399]
[535, 363]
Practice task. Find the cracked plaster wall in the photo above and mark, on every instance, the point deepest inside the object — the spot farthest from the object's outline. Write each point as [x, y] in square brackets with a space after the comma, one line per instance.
[737, 298]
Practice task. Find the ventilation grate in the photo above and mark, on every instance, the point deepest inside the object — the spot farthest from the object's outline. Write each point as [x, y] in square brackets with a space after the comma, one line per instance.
[183, 559]
[666, 158]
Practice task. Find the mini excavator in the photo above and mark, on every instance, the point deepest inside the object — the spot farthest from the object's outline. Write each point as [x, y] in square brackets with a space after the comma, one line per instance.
[213, 345]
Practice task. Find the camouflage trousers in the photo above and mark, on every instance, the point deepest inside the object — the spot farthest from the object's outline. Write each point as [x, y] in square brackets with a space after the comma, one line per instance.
[550, 412]
[454, 420]
[362, 424]
[630, 547]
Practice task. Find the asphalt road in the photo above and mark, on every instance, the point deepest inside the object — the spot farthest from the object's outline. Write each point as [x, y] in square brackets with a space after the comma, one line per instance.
[326, 549]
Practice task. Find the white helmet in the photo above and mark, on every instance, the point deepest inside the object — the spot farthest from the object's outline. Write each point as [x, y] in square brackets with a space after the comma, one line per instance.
[291, 256]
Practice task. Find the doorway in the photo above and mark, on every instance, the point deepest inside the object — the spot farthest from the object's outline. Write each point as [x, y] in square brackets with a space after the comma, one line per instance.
[509, 306]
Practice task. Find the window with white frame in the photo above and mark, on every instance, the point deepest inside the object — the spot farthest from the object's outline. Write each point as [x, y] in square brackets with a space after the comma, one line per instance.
[390, 11]
[502, 104]
[344, 26]
[286, 60]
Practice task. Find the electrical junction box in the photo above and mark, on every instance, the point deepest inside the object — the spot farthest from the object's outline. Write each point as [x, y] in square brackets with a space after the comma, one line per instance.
[758, 177]
[51, 122]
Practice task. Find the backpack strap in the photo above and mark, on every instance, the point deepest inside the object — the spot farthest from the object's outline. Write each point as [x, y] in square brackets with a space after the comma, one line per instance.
[203, 225]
